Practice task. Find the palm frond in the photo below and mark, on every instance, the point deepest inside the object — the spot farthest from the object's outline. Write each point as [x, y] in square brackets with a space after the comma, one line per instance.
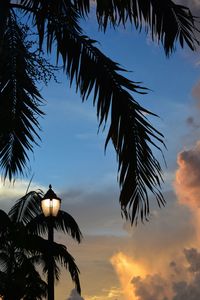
[63, 222]
[130, 131]
[19, 102]
[167, 21]
[4, 221]
[21, 250]
[34, 287]
[4, 260]
[42, 261]
[24, 281]
[26, 208]
[4, 13]
[39, 248]
[27, 211]
[3, 281]
[61, 255]
[43, 12]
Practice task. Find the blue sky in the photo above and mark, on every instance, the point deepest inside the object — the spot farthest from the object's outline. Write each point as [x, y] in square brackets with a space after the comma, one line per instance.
[71, 158]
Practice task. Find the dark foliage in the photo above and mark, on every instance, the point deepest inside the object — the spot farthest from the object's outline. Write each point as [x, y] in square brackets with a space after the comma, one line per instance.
[23, 247]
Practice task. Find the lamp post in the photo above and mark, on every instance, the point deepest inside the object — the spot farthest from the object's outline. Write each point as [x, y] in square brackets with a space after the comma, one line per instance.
[50, 205]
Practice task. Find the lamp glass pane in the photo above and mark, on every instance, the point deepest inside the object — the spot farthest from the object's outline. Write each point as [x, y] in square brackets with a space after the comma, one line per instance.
[50, 207]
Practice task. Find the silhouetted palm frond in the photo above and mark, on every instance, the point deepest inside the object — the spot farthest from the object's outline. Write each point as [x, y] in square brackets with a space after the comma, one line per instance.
[166, 21]
[22, 248]
[66, 223]
[60, 256]
[23, 280]
[19, 102]
[26, 208]
[4, 221]
[63, 222]
[44, 13]
[130, 131]
[64, 257]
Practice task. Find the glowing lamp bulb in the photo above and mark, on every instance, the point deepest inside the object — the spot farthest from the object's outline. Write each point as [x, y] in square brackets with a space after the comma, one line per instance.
[50, 204]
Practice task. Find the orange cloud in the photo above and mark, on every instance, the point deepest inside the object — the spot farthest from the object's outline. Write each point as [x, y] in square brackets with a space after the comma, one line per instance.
[187, 184]
[187, 181]
[182, 281]
[126, 268]
[178, 278]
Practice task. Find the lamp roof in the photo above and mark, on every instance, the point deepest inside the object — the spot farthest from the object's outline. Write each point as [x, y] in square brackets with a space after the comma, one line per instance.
[50, 194]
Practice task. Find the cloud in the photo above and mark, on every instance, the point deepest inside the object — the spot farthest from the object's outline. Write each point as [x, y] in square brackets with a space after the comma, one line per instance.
[188, 177]
[109, 294]
[96, 209]
[172, 275]
[113, 292]
[74, 295]
[189, 289]
[10, 192]
[98, 213]
[187, 184]
[196, 94]
[153, 287]
[125, 267]
[98, 278]
[180, 281]
[194, 5]
[173, 286]
[190, 121]
[138, 282]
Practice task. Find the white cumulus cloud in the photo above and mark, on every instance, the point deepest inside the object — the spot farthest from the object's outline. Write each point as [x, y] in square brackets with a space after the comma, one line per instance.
[74, 295]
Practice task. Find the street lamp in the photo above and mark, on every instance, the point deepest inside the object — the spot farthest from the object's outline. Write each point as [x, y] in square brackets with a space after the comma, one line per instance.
[50, 205]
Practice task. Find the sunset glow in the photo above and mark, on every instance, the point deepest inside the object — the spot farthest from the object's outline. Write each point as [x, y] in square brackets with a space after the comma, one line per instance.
[126, 268]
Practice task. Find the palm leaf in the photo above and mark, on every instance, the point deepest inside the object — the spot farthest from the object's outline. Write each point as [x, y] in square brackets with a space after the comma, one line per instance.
[24, 280]
[130, 131]
[34, 286]
[21, 250]
[26, 208]
[4, 221]
[19, 102]
[39, 248]
[3, 282]
[61, 255]
[42, 13]
[27, 211]
[166, 21]
[63, 222]
[4, 12]
[4, 260]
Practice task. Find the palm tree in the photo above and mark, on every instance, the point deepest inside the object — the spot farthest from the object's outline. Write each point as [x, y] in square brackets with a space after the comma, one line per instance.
[23, 247]
[20, 280]
[57, 24]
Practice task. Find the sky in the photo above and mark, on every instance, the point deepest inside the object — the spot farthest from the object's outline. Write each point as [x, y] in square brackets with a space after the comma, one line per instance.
[158, 260]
